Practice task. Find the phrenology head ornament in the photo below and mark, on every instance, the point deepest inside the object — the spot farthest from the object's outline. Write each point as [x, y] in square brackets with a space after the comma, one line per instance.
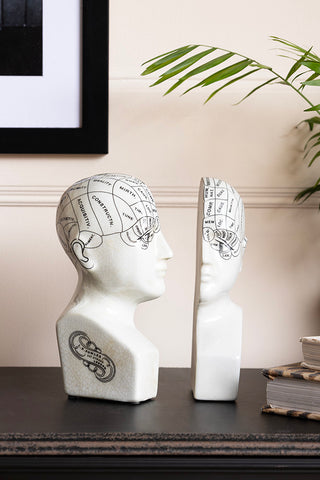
[103, 205]
[223, 218]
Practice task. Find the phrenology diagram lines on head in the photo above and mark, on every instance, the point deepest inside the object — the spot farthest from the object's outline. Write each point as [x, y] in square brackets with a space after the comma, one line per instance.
[223, 218]
[105, 205]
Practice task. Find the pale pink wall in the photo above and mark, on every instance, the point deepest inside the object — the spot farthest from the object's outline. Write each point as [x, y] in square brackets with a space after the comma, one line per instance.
[170, 143]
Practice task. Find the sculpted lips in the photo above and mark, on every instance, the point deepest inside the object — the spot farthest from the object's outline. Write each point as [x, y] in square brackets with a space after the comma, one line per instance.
[206, 273]
[161, 269]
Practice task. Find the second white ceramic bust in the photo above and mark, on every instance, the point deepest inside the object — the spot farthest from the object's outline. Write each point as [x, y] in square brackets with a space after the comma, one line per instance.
[217, 324]
[109, 226]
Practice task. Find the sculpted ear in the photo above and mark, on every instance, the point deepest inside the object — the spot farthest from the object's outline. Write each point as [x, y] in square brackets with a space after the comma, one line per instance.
[78, 250]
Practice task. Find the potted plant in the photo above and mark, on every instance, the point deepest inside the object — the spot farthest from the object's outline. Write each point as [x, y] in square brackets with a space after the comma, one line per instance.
[227, 67]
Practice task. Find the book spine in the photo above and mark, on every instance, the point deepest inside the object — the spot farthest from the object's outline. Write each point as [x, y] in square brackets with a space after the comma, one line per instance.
[267, 374]
[294, 371]
[290, 413]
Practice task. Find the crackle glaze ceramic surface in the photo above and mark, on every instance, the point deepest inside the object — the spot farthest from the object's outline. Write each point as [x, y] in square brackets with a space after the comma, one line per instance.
[217, 324]
[109, 226]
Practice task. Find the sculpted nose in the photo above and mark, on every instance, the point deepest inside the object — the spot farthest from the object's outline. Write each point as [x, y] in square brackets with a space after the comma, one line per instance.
[164, 249]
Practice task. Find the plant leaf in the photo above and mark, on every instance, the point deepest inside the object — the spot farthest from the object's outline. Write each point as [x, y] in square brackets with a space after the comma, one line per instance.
[295, 47]
[163, 55]
[310, 139]
[297, 65]
[257, 88]
[314, 158]
[312, 83]
[307, 193]
[230, 82]
[314, 66]
[227, 72]
[167, 59]
[222, 74]
[287, 56]
[299, 75]
[313, 109]
[297, 54]
[309, 149]
[206, 66]
[312, 77]
[182, 66]
[311, 122]
[260, 65]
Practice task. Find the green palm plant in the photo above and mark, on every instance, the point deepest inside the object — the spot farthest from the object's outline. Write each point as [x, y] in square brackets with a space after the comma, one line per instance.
[194, 60]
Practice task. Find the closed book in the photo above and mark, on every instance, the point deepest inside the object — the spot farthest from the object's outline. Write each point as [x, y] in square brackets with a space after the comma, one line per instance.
[293, 391]
[311, 352]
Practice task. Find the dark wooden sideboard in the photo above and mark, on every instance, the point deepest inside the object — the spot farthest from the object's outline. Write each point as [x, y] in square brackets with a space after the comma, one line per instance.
[45, 435]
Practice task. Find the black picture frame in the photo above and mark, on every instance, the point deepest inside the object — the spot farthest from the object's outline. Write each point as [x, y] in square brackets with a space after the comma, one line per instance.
[92, 136]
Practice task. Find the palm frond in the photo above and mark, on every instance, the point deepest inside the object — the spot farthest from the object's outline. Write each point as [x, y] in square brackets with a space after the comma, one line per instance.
[316, 135]
[296, 48]
[257, 88]
[230, 82]
[167, 58]
[311, 122]
[223, 74]
[183, 66]
[312, 83]
[309, 150]
[298, 64]
[305, 66]
[317, 155]
[307, 192]
[315, 108]
[203, 68]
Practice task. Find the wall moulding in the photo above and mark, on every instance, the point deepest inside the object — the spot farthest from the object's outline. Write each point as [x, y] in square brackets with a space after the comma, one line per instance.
[165, 196]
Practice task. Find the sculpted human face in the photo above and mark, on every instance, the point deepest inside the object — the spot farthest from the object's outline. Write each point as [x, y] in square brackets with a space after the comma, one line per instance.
[217, 274]
[132, 272]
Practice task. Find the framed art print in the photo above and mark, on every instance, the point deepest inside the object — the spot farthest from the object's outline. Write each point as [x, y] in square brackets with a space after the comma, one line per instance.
[54, 76]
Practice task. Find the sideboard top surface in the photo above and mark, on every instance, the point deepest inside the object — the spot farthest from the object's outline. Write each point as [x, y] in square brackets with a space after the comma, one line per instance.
[37, 416]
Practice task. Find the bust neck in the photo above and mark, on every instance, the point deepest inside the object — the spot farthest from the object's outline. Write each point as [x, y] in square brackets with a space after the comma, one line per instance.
[217, 307]
[101, 304]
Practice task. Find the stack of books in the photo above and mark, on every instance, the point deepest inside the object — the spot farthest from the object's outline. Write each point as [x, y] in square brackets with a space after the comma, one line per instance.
[294, 390]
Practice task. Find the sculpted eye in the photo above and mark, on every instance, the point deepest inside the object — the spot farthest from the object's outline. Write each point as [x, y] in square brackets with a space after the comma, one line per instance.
[156, 225]
[150, 236]
[147, 238]
[223, 247]
[224, 241]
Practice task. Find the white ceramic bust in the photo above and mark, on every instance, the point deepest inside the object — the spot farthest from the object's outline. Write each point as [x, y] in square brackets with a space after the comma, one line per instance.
[217, 324]
[109, 226]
